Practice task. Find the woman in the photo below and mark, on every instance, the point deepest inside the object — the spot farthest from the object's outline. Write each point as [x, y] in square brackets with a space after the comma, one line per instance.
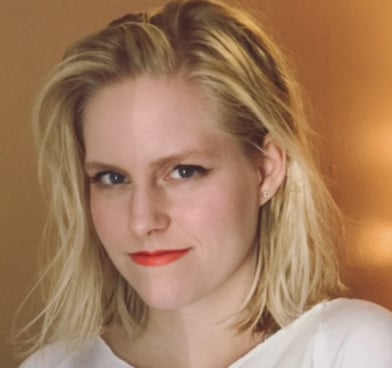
[193, 229]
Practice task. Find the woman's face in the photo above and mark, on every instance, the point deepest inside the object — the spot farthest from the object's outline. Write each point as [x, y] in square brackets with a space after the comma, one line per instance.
[174, 200]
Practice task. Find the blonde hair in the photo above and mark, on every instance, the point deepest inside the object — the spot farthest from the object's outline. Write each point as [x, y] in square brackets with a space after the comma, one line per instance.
[233, 61]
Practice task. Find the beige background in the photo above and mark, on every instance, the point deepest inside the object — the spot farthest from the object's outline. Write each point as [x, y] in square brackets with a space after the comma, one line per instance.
[342, 51]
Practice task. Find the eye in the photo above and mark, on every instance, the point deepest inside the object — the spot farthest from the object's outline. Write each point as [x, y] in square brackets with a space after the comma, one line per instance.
[108, 178]
[187, 172]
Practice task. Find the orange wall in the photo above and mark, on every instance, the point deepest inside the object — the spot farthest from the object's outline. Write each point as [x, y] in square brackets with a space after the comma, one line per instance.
[343, 54]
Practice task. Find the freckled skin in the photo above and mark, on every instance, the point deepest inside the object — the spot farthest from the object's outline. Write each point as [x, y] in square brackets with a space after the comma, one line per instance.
[130, 128]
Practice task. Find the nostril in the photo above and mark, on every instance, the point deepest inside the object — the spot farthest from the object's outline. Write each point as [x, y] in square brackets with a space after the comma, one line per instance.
[147, 215]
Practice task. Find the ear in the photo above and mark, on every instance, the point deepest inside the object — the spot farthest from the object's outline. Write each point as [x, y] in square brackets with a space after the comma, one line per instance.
[271, 165]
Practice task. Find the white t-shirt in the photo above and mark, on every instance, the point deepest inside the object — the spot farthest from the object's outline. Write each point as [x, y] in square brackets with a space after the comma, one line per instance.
[343, 333]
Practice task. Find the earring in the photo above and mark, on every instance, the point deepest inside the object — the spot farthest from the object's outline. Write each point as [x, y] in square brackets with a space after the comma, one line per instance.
[265, 194]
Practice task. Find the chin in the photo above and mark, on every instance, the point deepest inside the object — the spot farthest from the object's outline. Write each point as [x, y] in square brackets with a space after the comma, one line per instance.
[165, 301]
[165, 298]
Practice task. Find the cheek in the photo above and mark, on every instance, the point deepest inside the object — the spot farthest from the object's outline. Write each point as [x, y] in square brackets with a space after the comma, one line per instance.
[240, 213]
[221, 216]
[107, 220]
[98, 213]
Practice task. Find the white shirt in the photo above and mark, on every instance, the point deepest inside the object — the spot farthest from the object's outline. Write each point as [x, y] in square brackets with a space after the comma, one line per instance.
[343, 333]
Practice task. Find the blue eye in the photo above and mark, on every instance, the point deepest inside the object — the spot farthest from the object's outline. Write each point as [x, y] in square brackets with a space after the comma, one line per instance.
[109, 178]
[187, 172]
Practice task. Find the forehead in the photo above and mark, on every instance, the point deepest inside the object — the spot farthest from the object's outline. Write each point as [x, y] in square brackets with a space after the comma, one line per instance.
[150, 116]
[146, 98]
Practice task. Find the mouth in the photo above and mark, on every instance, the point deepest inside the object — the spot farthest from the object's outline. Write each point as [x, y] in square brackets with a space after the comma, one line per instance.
[158, 258]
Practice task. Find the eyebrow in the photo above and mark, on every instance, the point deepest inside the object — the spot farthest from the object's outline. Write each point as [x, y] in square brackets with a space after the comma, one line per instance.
[166, 160]
[181, 156]
[102, 166]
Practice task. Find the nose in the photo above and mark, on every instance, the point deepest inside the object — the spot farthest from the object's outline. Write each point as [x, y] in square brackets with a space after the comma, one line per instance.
[147, 212]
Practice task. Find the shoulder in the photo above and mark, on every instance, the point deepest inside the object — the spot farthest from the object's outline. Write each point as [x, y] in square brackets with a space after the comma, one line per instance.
[356, 333]
[54, 355]
[356, 315]
[59, 356]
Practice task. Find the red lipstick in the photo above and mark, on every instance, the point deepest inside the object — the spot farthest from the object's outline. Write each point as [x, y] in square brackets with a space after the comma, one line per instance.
[158, 258]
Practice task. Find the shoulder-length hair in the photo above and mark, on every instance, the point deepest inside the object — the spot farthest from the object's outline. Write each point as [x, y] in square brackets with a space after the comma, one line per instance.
[237, 65]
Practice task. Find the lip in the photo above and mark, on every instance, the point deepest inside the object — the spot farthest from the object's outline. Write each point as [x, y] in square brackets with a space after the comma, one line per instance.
[158, 258]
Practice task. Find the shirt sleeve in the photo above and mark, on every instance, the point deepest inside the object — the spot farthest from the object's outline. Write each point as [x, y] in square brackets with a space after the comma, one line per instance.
[357, 334]
[51, 356]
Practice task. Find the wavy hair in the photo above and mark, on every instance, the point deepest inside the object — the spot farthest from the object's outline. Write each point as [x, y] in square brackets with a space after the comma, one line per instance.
[235, 63]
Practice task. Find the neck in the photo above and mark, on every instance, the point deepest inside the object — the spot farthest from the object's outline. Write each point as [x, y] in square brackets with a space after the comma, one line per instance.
[199, 334]
[186, 340]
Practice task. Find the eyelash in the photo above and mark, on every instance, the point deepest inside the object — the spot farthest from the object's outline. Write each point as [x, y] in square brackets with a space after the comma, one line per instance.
[99, 178]
[112, 178]
[185, 170]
